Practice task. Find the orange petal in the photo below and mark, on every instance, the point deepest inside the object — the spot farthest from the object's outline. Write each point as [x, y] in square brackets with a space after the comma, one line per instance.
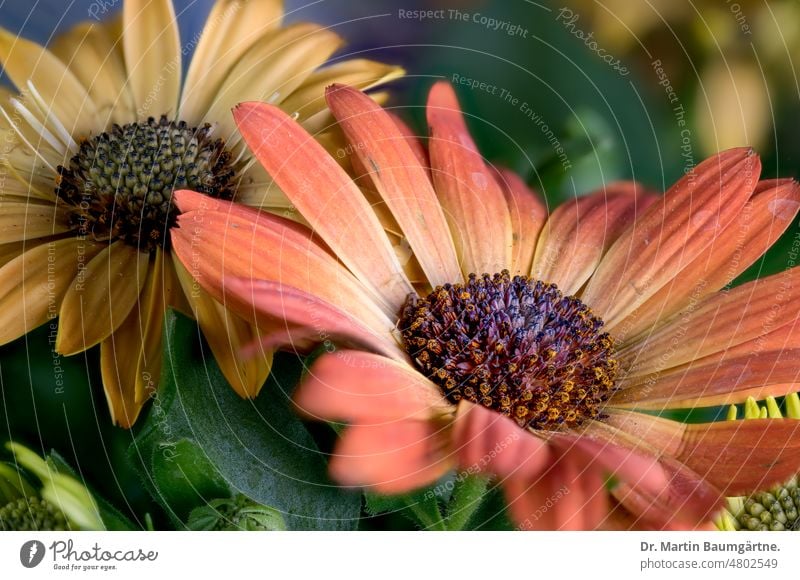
[217, 245]
[326, 197]
[472, 200]
[391, 458]
[720, 321]
[361, 387]
[762, 221]
[528, 215]
[764, 366]
[417, 148]
[188, 200]
[402, 182]
[636, 511]
[735, 456]
[665, 483]
[615, 455]
[579, 232]
[568, 496]
[671, 234]
[362, 172]
[528, 502]
[271, 303]
[488, 442]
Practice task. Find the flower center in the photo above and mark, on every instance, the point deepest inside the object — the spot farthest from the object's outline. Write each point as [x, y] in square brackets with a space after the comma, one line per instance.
[514, 345]
[119, 185]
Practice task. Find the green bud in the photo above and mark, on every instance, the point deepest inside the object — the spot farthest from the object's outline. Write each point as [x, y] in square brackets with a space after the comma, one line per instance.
[60, 491]
[32, 514]
[235, 514]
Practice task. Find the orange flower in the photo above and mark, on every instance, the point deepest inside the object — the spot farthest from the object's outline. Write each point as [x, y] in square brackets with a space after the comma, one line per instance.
[506, 373]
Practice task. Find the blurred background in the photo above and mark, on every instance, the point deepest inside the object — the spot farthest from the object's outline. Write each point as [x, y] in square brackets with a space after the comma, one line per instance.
[572, 94]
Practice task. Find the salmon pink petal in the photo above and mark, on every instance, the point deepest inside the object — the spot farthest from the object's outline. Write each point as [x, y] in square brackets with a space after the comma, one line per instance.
[615, 455]
[188, 200]
[363, 177]
[768, 365]
[528, 503]
[218, 245]
[528, 215]
[671, 234]
[621, 519]
[391, 458]
[568, 496]
[700, 502]
[720, 321]
[413, 141]
[579, 232]
[364, 388]
[595, 497]
[298, 316]
[488, 442]
[762, 221]
[663, 480]
[735, 456]
[401, 181]
[473, 201]
[325, 196]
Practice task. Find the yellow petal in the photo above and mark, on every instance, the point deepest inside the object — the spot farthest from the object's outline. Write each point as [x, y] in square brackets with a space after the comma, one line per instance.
[93, 52]
[272, 69]
[33, 284]
[257, 189]
[101, 297]
[232, 28]
[363, 74]
[26, 221]
[227, 335]
[10, 251]
[17, 134]
[67, 100]
[131, 357]
[152, 55]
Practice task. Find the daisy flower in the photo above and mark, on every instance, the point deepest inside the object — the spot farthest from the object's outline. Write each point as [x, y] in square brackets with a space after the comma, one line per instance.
[104, 127]
[482, 335]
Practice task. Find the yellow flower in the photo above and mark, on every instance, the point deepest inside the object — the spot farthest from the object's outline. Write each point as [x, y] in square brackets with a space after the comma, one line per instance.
[102, 131]
[777, 508]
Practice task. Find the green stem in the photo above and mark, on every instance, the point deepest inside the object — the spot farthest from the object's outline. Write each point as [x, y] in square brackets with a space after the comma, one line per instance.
[427, 514]
[468, 494]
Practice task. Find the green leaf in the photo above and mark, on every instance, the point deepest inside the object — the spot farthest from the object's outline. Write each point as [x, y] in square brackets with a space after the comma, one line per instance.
[259, 448]
[176, 466]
